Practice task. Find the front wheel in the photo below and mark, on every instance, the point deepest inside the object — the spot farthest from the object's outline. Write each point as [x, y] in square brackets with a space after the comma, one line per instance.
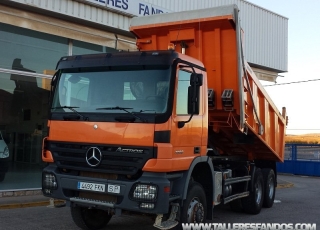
[253, 203]
[194, 208]
[90, 218]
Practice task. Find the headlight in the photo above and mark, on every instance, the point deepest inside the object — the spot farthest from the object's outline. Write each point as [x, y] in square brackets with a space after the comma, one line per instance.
[144, 192]
[5, 153]
[49, 181]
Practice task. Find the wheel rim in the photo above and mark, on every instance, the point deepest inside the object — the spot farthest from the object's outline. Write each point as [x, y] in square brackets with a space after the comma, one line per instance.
[271, 187]
[195, 211]
[258, 188]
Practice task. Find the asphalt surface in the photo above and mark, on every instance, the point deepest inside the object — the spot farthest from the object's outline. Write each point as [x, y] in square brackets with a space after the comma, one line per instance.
[296, 201]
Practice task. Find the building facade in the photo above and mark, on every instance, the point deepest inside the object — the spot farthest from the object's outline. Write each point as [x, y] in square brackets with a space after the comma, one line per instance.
[35, 34]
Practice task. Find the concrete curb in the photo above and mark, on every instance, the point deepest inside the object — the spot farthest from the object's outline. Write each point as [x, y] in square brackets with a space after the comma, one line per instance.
[288, 185]
[24, 201]
[284, 184]
[48, 203]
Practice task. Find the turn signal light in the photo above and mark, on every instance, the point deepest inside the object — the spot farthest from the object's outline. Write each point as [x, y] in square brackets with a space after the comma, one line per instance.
[171, 46]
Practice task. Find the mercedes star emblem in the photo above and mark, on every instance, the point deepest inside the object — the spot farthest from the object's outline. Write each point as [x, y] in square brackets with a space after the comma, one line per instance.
[93, 156]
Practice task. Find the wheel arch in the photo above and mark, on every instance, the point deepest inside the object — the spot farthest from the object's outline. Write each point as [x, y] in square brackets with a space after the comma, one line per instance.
[201, 171]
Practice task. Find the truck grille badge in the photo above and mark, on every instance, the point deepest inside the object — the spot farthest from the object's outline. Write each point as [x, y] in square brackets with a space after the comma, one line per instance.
[93, 156]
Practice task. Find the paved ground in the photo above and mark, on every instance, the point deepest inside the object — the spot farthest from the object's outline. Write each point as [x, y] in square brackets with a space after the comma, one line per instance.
[40, 200]
[297, 204]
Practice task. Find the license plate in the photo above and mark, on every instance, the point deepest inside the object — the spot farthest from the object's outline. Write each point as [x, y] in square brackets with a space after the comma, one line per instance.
[113, 188]
[91, 186]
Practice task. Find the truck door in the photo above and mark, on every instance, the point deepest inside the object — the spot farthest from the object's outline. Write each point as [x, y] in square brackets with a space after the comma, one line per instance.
[187, 141]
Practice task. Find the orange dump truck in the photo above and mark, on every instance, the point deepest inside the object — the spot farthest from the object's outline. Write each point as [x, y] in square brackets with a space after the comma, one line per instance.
[171, 130]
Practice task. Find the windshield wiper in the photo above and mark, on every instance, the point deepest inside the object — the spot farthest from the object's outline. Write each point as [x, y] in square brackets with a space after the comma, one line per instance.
[124, 109]
[146, 110]
[72, 108]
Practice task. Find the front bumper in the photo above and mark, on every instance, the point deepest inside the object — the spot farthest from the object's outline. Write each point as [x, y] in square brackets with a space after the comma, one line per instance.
[67, 188]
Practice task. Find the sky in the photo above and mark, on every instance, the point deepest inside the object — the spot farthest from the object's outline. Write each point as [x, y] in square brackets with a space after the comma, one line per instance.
[302, 100]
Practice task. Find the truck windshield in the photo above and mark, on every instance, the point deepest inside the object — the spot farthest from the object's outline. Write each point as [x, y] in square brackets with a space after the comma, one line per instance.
[139, 90]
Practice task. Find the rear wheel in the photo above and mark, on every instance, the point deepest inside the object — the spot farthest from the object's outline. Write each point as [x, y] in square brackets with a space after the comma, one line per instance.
[253, 203]
[269, 181]
[90, 218]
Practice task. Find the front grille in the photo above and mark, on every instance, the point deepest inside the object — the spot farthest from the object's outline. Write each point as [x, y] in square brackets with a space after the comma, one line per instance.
[73, 156]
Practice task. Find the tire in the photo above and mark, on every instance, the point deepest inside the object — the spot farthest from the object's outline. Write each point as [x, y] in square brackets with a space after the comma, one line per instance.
[269, 181]
[90, 218]
[252, 204]
[194, 208]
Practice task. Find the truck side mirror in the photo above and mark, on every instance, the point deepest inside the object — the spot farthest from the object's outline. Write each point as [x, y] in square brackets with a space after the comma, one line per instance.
[193, 99]
[196, 79]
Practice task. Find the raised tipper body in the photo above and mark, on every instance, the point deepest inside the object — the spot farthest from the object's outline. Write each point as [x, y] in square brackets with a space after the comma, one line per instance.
[239, 103]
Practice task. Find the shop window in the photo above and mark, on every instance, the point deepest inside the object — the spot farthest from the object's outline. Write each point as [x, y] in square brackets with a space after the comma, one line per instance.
[28, 50]
[80, 48]
[27, 115]
[23, 119]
